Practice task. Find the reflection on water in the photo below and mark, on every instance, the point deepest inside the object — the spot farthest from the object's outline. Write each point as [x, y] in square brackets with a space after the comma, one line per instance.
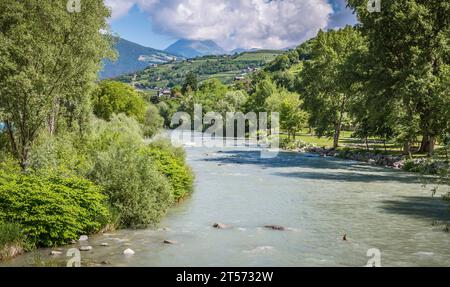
[317, 201]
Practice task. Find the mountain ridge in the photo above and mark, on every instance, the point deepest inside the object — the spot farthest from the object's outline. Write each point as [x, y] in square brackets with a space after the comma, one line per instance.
[195, 48]
[133, 57]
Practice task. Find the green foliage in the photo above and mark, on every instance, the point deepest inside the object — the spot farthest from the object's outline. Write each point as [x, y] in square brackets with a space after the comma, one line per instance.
[63, 155]
[326, 91]
[11, 233]
[408, 65]
[49, 60]
[52, 210]
[138, 193]
[292, 118]
[153, 121]
[190, 83]
[170, 161]
[115, 98]
[167, 109]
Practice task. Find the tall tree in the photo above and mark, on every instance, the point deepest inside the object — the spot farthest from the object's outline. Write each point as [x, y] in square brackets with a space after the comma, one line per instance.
[190, 83]
[47, 55]
[409, 43]
[324, 85]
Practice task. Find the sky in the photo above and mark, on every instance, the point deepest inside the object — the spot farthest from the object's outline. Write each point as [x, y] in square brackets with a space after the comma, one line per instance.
[268, 24]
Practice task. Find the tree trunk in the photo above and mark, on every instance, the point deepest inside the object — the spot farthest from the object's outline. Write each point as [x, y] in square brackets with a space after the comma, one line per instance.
[407, 149]
[337, 134]
[14, 149]
[428, 144]
[53, 118]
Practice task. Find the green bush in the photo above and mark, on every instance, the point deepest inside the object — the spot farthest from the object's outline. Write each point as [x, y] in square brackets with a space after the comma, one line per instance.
[52, 210]
[153, 121]
[170, 161]
[59, 155]
[138, 193]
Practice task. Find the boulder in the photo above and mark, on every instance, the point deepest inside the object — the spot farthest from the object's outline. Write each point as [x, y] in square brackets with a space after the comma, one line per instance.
[55, 253]
[104, 244]
[85, 248]
[221, 226]
[83, 238]
[275, 227]
[129, 252]
[170, 242]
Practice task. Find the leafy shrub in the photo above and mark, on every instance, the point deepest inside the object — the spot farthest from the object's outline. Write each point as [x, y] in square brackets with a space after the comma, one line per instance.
[138, 193]
[153, 122]
[51, 210]
[170, 161]
[59, 155]
[136, 190]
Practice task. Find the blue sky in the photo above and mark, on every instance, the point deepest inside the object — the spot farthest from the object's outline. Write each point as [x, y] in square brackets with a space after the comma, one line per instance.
[276, 24]
[137, 27]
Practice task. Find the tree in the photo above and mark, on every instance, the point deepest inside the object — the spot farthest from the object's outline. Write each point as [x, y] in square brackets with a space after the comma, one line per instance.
[190, 83]
[264, 89]
[324, 86]
[47, 57]
[410, 55]
[292, 118]
[112, 97]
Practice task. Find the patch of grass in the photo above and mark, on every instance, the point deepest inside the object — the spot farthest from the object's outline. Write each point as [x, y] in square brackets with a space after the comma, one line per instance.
[10, 233]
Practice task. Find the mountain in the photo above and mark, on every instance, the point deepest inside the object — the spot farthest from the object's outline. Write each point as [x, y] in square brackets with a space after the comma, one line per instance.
[133, 57]
[194, 48]
[242, 50]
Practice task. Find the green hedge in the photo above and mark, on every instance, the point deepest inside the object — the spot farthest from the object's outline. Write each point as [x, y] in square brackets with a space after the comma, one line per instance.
[51, 210]
[170, 161]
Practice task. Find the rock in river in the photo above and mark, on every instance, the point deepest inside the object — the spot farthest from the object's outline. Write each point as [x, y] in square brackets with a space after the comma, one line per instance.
[275, 227]
[83, 238]
[221, 226]
[129, 252]
[170, 242]
[85, 248]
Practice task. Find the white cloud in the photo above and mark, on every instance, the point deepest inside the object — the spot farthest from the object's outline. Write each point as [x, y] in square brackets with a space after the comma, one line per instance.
[234, 23]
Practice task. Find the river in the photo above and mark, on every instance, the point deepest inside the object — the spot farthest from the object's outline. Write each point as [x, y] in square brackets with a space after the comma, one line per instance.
[317, 200]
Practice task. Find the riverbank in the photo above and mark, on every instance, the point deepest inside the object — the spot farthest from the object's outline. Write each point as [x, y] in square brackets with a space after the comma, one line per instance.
[316, 199]
[424, 165]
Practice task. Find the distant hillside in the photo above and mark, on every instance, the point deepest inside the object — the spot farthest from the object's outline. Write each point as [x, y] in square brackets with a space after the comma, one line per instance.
[225, 68]
[132, 58]
[193, 49]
